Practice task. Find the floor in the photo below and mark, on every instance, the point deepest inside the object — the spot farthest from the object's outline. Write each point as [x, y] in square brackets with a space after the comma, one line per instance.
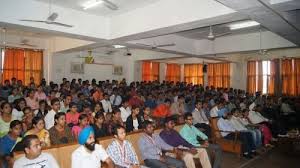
[274, 158]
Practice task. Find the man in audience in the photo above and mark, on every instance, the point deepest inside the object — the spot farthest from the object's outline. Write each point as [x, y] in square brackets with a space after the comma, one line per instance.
[177, 108]
[115, 98]
[34, 157]
[89, 154]
[121, 151]
[162, 110]
[153, 149]
[200, 120]
[64, 105]
[106, 105]
[228, 132]
[198, 139]
[49, 118]
[125, 110]
[173, 138]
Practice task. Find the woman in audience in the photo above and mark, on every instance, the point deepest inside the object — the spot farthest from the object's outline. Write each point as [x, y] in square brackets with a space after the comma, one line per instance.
[116, 119]
[100, 129]
[5, 118]
[17, 112]
[133, 122]
[31, 101]
[27, 119]
[60, 133]
[146, 114]
[43, 109]
[40, 94]
[97, 108]
[82, 123]
[72, 116]
[39, 130]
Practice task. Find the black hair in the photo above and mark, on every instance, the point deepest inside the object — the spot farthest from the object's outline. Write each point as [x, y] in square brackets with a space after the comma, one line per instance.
[27, 140]
[116, 110]
[168, 119]
[134, 107]
[186, 115]
[14, 123]
[26, 108]
[58, 115]
[5, 103]
[146, 123]
[72, 104]
[98, 115]
[53, 101]
[115, 129]
[82, 116]
[167, 100]
[36, 119]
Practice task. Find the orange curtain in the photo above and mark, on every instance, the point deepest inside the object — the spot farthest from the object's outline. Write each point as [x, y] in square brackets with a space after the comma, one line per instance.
[173, 72]
[150, 71]
[259, 76]
[219, 75]
[297, 70]
[13, 64]
[289, 77]
[271, 78]
[33, 66]
[193, 73]
[251, 76]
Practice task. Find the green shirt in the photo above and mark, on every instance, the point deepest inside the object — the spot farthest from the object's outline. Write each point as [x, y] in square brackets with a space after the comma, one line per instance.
[190, 133]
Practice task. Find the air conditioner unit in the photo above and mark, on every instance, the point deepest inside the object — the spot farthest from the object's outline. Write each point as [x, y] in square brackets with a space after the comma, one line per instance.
[117, 70]
[77, 67]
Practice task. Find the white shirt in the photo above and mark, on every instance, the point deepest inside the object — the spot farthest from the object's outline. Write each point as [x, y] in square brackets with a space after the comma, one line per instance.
[256, 117]
[214, 112]
[18, 115]
[135, 124]
[199, 117]
[81, 158]
[49, 119]
[45, 160]
[117, 100]
[125, 113]
[106, 105]
[237, 124]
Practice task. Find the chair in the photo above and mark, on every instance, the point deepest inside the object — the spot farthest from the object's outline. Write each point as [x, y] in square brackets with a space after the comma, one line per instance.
[234, 146]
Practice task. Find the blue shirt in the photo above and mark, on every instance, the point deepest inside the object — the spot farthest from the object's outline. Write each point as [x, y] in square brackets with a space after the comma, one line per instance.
[6, 145]
[151, 147]
[222, 111]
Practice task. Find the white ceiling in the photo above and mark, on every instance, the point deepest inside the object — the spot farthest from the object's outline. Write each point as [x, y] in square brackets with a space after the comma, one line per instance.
[124, 6]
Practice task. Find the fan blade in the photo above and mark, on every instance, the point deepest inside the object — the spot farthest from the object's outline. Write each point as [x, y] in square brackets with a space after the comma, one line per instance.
[29, 45]
[110, 5]
[146, 45]
[52, 17]
[166, 45]
[60, 24]
[222, 34]
[28, 20]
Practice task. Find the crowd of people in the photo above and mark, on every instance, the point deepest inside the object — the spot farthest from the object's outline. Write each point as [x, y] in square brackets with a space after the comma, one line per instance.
[37, 116]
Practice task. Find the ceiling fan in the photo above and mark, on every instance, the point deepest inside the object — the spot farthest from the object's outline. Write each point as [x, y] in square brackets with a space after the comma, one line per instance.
[23, 42]
[50, 19]
[212, 36]
[110, 5]
[154, 46]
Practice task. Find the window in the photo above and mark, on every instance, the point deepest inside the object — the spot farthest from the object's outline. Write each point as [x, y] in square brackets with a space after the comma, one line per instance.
[150, 71]
[193, 73]
[21, 64]
[266, 69]
[173, 72]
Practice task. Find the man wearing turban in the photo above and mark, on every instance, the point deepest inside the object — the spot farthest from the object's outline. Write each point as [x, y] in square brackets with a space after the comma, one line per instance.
[89, 154]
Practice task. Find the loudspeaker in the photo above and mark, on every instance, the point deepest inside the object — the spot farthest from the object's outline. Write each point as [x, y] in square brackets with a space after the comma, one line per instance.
[204, 68]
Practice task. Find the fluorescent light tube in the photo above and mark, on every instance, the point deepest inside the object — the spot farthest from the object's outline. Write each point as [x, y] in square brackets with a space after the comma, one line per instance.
[119, 46]
[242, 25]
[91, 3]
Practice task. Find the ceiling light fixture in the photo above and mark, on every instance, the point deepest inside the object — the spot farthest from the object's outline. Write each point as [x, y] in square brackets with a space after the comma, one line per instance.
[118, 46]
[241, 25]
[91, 3]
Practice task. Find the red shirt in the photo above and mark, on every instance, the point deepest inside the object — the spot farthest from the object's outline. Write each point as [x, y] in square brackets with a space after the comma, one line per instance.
[161, 111]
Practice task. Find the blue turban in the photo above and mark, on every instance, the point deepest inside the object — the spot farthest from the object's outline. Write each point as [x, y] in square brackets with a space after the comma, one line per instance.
[84, 135]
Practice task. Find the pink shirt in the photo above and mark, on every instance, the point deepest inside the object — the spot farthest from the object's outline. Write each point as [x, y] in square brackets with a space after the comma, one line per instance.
[72, 118]
[40, 96]
[76, 130]
[32, 103]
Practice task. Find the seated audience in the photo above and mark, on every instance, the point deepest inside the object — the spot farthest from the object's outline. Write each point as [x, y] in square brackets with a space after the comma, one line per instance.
[125, 110]
[198, 139]
[89, 154]
[72, 116]
[17, 112]
[97, 108]
[116, 119]
[133, 122]
[60, 133]
[49, 118]
[39, 130]
[173, 138]
[106, 103]
[153, 150]
[162, 110]
[34, 157]
[228, 132]
[200, 120]
[146, 114]
[31, 101]
[42, 110]
[5, 118]
[121, 151]
[99, 126]
[65, 104]
[177, 108]
[82, 123]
